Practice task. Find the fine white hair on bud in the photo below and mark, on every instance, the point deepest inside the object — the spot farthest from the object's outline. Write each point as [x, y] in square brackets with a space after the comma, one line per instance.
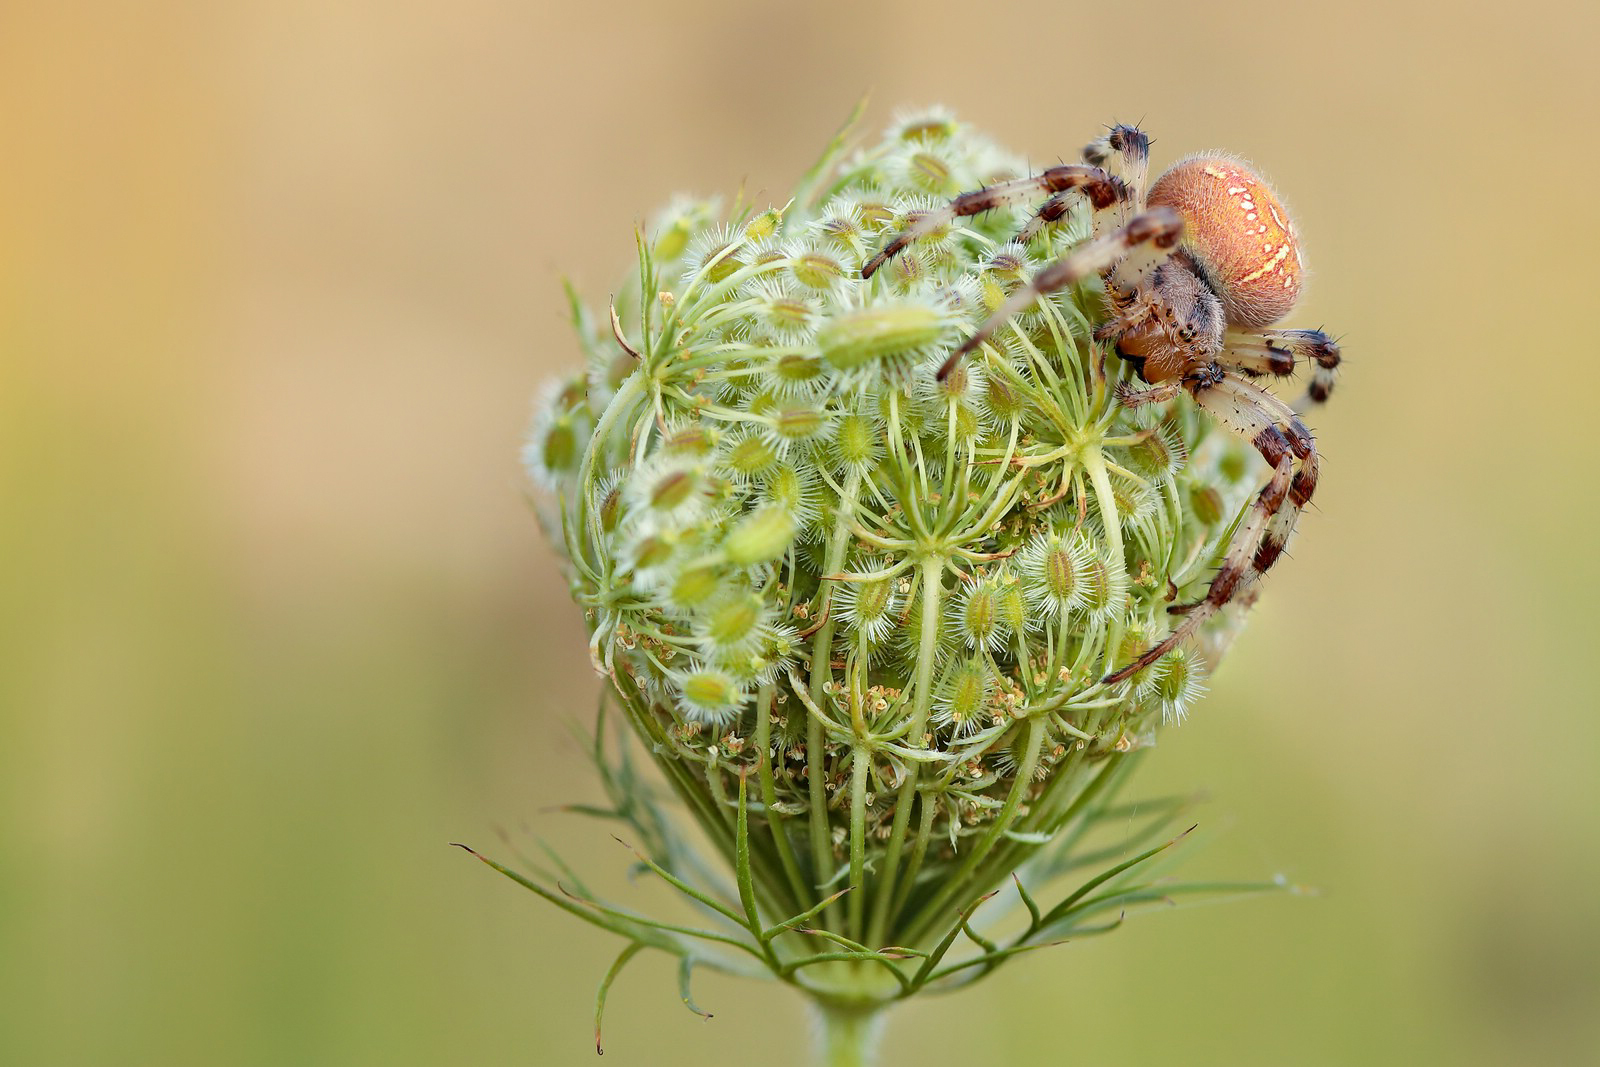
[1057, 568]
[862, 615]
[762, 536]
[857, 443]
[840, 225]
[734, 625]
[1005, 394]
[556, 441]
[1181, 683]
[651, 554]
[692, 588]
[605, 503]
[798, 376]
[924, 125]
[783, 314]
[675, 225]
[821, 268]
[1157, 451]
[961, 703]
[869, 603]
[792, 488]
[979, 613]
[1137, 498]
[797, 426]
[687, 437]
[954, 408]
[709, 695]
[673, 489]
[715, 254]
[929, 166]
[748, 454]
[1105, 592]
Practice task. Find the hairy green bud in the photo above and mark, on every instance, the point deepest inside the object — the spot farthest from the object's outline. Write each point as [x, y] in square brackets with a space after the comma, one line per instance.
[760, 536]
[894, 335]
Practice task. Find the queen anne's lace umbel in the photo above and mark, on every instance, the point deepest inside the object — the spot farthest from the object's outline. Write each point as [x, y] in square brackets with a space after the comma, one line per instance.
[876, 605]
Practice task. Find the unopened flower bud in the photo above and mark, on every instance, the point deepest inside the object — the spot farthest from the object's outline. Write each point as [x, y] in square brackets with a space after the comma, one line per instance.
[889, 335]
[762, 535]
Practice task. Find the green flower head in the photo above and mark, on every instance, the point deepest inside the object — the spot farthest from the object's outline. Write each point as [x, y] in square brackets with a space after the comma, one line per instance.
[859, 615]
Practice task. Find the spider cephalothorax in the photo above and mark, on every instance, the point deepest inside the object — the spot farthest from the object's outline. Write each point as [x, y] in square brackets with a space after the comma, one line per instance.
[1197, 269]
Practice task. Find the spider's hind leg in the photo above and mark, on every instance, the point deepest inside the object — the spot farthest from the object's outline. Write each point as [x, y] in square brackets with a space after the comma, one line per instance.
[1276, 537]
[1283, 441]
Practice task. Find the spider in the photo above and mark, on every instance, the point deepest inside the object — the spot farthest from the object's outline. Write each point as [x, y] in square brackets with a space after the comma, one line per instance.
[1197, 269]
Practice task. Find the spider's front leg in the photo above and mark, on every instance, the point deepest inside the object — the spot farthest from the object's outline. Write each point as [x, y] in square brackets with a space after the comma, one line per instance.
[1102, 189]
[1133, 251]
[1125, 151]
[1112, 200]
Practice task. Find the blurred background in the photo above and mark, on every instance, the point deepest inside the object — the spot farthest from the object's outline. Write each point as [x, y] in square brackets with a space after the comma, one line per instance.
[277, 282]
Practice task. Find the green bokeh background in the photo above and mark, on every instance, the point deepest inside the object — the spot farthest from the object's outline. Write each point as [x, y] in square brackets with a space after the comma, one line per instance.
[277, 280]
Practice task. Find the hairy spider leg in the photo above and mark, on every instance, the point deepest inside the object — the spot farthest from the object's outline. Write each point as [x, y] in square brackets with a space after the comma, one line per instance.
[1093, 181]
[1312, 347]
[1235, 410]
[1130, 253]
[1266, 351]
[1304, 447]
[1254, 355]
[1108, 199]
[1301, 443]
[1125, 151]
[1276, 538]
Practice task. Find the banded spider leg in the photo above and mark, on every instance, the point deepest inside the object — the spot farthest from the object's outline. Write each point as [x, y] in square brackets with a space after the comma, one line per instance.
[1129, 253]
[1280, 352]
[1193, 319]
[1273, 428]
[1102, 190]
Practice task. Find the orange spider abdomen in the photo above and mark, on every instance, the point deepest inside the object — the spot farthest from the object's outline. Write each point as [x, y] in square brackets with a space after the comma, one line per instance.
[1239, 232]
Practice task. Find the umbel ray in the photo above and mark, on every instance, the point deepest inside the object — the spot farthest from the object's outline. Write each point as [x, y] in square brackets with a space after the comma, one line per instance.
[1198, 267]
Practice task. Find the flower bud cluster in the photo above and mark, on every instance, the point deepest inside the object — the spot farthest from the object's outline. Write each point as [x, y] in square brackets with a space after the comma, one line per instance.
[804, 557]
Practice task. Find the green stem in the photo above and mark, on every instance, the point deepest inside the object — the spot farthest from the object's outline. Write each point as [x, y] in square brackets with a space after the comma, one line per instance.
[960, 882]
[1095, 464]
[932, 587]
[860, 767]
[821, 672]
[847, 1034]
[769, 797]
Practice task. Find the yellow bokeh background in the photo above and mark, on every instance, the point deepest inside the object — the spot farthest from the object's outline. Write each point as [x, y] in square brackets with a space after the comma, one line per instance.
[277, 281]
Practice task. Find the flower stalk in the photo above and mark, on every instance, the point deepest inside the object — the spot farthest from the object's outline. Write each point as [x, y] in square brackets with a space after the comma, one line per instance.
[847, 1035]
